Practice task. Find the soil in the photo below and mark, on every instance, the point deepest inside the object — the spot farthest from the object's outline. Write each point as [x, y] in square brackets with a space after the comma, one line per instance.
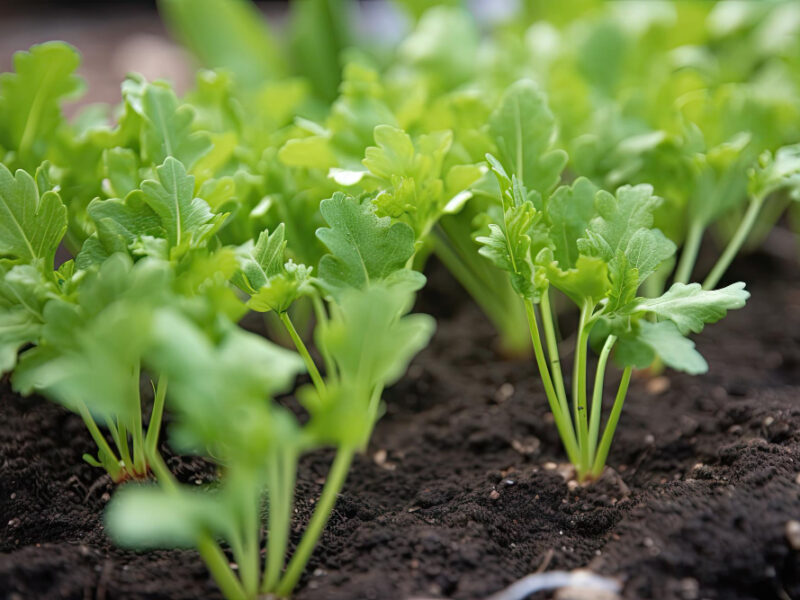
[461, 491]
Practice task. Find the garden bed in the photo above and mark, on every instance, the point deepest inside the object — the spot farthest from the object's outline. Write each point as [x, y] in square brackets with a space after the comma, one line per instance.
[461, 493]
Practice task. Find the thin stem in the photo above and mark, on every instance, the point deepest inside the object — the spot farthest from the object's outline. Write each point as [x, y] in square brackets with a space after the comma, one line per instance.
[689, 253]
[163, 475]
[552, 350]
[102, 444]
[563, 423]
[735, 244]
[319, 383]
[249, 567]
[156, 417]
[611, 426]
[137, 434]
[579, 387]
[209, 550]
[333, 485]
[219, 567]
[322, 322]
[281, 491]
[372, 412]
[120, 436]
[597, 395]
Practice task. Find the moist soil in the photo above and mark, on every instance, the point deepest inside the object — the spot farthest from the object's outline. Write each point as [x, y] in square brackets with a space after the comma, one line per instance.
[461, 492]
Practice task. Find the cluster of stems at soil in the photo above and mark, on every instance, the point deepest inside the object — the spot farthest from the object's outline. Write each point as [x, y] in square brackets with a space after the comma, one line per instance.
[578, 425]
[134, 444]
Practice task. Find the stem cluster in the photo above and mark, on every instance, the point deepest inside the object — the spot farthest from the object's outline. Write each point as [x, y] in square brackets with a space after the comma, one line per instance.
[578, 426]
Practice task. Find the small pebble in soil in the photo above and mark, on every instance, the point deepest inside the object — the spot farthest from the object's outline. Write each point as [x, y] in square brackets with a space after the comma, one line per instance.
[494, 495]
[504, 392]
[507, 482]
[526, 446]
[793, 534]
[690, 588]
[658, 385]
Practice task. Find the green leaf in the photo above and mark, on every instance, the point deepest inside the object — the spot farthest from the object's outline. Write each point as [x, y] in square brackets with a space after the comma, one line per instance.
[690, 307]
[221, 387]
[30, 99]
[90, 351]
[166, 129]
[263, 273]
[264, 260]
[371, 343]
[524, 130]
[509, 248]
[119, 224]
[147, 517]
[774, 173]
[31, 226]
[188, 221]
[364, 248]
[122, 170]
[569, 211]
[621, 236]
[586, 281]
[619, 218]
[510, 245]
[624, 280]
[674, 349]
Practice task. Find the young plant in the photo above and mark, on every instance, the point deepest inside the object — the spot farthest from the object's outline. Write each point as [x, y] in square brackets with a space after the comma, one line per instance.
[221, 390]
[83, 354]
[598, 249]
[67, 317]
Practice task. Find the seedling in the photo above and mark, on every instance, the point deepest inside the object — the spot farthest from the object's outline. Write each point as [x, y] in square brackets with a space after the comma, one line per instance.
[222, 394]
[598, 249]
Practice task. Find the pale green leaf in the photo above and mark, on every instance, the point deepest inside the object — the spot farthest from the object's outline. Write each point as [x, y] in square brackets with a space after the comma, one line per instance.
[690, 307]
[31, 226]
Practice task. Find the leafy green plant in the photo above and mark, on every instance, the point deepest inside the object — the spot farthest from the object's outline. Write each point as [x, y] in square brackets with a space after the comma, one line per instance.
[598, 249]
[222, 388]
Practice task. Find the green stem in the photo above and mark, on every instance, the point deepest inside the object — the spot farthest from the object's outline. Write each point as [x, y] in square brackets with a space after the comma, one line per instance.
[611, 426]
[552, 350]
[689, 253]
[163, 475]
[333, 485]
[319, 383]
[220, 569]
[281, 491]
[249, 562]
[119, 433]
[209, 550]
[733, 247]
[101, 442]
[156, 417]
[137, 432]
[372, 413]
[563, 423]
[597, 396]
[322, 322]
[579, 387]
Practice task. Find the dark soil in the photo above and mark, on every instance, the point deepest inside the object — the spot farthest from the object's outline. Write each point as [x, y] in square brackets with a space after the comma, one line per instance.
[460, 494]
